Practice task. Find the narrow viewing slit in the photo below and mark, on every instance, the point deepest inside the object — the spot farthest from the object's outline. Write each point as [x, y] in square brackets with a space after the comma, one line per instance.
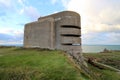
[70, 26]
[66, 43]
[70, 35]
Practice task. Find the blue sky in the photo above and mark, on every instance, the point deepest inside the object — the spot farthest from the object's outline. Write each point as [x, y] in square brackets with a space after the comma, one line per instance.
[100, 19]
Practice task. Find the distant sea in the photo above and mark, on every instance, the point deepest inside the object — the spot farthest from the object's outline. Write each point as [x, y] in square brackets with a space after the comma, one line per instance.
[98, 48]
[85, 48]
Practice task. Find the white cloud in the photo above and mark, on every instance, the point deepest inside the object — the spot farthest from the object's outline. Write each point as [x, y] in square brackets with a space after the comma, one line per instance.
[96, 14]
[53, 1]
[31, 12]
[11, 36]
[98, 27]
[112, 38]
[5, 3]
[11, 31]
[21, 2]
[110, 15]
[100, 20]
[65, 2]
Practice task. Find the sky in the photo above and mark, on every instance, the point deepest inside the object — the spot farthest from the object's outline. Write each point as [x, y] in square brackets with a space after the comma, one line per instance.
[100, 19]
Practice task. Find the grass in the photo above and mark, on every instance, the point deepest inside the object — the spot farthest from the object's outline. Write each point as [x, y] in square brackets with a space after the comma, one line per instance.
[111, 59]
[36, 64]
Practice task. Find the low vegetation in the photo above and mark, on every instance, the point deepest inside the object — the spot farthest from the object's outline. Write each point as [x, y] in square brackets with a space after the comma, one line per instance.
[110, 58]
[37, 64]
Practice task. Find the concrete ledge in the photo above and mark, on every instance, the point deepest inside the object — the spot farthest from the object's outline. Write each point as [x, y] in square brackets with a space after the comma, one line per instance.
[62, 14]
[70, 31]
[73, 40]
[71, 48]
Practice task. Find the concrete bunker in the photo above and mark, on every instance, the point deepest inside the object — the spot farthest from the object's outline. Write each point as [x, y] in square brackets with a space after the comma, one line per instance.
[57, 31]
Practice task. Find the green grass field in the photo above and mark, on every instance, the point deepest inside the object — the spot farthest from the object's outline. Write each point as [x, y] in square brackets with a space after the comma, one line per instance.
[35, 64]
[111, 59]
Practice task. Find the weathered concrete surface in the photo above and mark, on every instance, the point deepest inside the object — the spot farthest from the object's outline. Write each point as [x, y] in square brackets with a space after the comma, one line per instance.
[39, 34]
[56, 31]
[70, 31]
[72, 40]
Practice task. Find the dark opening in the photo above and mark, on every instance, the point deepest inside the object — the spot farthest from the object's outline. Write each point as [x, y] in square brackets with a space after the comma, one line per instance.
[70, 26]
[66, 43]
[70, 35]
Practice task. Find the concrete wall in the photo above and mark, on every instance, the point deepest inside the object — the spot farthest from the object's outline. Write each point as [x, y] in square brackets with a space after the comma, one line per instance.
[57, 31]
[39, 34]
[68, 32]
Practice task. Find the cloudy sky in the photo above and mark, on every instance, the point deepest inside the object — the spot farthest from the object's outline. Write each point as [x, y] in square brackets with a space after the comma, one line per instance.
[100, 18]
